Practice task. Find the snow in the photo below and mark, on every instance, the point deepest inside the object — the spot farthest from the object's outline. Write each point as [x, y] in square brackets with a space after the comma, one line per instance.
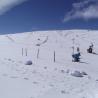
[46, 78]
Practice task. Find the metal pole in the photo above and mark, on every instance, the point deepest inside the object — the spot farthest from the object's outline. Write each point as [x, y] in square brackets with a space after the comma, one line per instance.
[73, 44]
[38, 53]
[26, 51]
[22, 51]
[54, 56]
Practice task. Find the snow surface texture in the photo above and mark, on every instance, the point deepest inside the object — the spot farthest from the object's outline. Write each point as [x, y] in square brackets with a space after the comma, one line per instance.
[45, 76]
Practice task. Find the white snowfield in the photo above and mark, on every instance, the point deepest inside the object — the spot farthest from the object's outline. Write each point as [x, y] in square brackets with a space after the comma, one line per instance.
[47, 78]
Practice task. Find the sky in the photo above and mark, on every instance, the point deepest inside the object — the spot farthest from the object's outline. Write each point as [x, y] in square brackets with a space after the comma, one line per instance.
[18, 16]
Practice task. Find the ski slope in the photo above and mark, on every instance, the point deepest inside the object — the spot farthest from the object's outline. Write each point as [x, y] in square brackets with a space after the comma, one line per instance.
[46, 78]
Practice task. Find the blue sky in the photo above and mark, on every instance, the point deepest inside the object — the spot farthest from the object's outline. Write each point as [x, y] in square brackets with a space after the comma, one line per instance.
[27, 15]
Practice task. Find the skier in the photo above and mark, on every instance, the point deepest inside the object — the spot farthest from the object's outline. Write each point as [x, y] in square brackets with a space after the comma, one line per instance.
[90, 49]
[76, 56]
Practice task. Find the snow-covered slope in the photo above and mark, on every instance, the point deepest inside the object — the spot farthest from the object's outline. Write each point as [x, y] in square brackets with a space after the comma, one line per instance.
[46, 78]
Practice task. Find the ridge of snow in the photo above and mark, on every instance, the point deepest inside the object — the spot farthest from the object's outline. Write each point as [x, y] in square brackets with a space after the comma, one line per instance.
[46, 78]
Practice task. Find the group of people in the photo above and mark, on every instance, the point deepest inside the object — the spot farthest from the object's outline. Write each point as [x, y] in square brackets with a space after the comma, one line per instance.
[76, 56]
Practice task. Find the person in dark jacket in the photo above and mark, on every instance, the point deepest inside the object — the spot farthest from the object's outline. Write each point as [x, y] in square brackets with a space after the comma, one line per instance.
[76, 56]
[90, 49]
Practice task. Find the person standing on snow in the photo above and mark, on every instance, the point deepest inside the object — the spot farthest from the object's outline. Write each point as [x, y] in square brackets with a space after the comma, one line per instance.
[76, 56]
[90, 49]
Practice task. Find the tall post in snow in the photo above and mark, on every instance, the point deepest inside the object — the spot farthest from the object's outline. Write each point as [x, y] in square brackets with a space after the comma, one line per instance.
[38, 53]
[73, 44]
[26, 51]
[54, 56]
[22, 51]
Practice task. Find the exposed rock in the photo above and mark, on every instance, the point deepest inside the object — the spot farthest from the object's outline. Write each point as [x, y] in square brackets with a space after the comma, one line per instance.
[77, 74]
[29, 62]
[84, 73]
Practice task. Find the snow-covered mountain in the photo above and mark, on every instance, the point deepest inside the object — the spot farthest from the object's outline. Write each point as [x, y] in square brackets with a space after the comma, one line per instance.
[46, 78]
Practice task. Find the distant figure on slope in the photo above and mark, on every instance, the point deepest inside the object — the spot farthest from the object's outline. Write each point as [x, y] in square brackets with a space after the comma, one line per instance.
[76, 56]
[90, 49]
